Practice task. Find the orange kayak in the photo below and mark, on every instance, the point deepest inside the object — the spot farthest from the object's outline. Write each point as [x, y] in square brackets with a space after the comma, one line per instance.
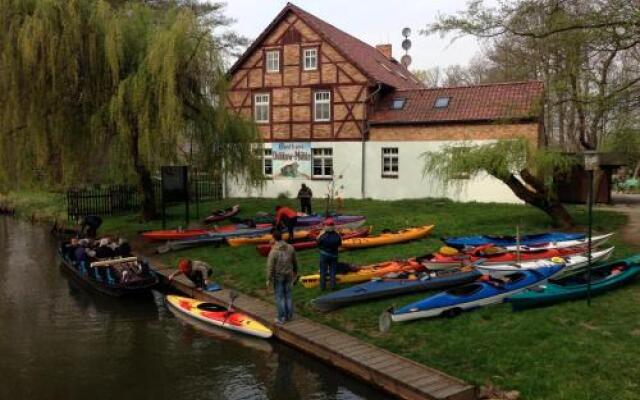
[367, 272]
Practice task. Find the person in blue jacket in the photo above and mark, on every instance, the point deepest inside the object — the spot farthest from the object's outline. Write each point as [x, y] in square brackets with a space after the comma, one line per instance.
[329, 242]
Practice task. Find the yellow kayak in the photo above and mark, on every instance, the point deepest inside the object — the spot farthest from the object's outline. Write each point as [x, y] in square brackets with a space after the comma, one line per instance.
[401, 236]
[266, 238]
[366, 273]
[218, 316]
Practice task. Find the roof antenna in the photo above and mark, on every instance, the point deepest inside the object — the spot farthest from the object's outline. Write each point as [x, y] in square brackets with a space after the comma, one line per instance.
[406, 45]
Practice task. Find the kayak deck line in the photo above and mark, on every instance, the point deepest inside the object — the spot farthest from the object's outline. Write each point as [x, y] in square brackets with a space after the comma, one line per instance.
[394, 374]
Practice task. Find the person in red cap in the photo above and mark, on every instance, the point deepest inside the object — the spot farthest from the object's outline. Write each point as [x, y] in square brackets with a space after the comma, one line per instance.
[198, 272]
[329, 242]
[286, 218]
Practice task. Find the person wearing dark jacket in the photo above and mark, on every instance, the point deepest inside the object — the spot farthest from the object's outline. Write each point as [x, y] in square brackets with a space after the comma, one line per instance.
[329, 242]
[104, 250]
[304, 195]
[89, 225]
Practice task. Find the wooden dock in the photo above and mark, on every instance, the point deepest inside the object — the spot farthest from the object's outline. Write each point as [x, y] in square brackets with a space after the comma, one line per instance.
[387, 371]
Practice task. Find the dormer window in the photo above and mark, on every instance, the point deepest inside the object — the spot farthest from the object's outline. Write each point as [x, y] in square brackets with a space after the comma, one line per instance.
[398, 103]
[273, 60]
[442, 102]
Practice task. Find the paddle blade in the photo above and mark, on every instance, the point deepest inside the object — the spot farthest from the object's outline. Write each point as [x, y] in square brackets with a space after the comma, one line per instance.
[212, 287]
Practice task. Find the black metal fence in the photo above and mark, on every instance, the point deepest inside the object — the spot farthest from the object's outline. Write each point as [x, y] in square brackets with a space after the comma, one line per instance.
[122, 199]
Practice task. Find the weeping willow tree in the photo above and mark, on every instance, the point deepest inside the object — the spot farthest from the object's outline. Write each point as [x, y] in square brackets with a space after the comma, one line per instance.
[527, 172]
[92, 90]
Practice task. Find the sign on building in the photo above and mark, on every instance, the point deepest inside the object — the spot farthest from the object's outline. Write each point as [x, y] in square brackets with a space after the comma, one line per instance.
[291, 160]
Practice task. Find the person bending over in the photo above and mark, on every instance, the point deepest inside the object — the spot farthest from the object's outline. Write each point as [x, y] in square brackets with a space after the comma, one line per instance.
[198, 272]
[286, 218]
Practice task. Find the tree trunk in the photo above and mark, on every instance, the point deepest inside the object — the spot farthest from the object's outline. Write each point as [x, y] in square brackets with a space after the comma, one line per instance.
[144, 180]
[540, 198]
[636, 173]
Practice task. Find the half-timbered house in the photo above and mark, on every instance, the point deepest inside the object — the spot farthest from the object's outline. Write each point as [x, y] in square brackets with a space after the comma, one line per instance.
[331, 107]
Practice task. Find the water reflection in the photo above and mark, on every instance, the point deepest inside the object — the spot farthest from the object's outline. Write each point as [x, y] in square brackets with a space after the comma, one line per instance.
[58, 340]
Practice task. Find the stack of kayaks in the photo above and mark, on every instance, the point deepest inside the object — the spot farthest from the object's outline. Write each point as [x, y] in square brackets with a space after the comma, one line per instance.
[462, 242]
[380, 288]
[574, 263]
[216, 315]
[264, 249]
[480, 293]
[366, 273]
[604, 277]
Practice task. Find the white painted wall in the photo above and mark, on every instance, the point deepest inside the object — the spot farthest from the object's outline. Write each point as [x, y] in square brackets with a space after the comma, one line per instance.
[347, 159]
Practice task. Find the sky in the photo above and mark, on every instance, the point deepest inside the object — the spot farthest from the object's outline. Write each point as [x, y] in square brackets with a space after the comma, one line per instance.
[372, 21]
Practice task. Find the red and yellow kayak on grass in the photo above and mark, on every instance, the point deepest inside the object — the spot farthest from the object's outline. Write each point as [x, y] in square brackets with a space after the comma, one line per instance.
[220, 316]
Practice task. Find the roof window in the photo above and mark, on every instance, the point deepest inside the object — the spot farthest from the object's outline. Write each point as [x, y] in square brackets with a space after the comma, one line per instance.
[398, 103]
[442, 102]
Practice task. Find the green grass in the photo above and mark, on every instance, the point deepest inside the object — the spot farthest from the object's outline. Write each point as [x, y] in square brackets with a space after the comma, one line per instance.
[568, 351]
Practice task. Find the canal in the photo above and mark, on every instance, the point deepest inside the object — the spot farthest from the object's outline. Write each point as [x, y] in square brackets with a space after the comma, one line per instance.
[61, 341]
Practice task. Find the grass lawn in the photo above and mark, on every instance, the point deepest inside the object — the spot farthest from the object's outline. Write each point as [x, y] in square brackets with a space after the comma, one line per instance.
[568, 351]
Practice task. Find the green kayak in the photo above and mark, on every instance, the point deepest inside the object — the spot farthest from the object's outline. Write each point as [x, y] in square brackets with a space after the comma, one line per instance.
[603, 278]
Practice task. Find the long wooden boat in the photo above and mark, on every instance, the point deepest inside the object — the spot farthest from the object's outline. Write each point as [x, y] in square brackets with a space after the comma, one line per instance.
[604, 278]
[102, 276]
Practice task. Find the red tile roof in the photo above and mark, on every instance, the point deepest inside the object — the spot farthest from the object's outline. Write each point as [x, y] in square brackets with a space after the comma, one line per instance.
[371, 62]
[490, 102]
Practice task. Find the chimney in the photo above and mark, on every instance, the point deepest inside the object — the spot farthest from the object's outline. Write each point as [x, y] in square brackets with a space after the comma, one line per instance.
[385, 49]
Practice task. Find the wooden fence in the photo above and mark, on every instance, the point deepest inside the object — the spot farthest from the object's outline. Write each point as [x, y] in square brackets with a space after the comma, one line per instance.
[122, 199]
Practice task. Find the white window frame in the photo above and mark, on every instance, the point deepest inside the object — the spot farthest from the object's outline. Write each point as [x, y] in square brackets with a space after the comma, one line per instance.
[267, 159]
[322, 98]
[259, 101]
[322, 156]
[310, 54]
[390, 166]
[272, 60]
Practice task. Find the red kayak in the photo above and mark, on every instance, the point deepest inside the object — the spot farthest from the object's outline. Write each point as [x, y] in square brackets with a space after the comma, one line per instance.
[264, 249]
[227, 230]
[490, 254]
[220, 215]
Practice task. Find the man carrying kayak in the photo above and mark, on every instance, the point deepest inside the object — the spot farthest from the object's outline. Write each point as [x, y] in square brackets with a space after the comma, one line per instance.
[286, 218]
[282, 268]
[198, 272]
[329, 242]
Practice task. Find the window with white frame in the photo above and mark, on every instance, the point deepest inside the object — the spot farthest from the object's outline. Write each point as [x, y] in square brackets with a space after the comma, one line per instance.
[390, 161]
[273, 61]
[322, 162]
[322, 106]
[267, 163]
[310, 57]
[261, 107]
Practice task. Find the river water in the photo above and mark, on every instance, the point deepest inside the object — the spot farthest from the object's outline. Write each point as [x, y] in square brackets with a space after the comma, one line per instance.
[59, 340]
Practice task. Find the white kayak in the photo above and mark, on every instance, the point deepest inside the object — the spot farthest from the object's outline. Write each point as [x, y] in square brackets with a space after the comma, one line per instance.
[595, 241]
[573, 264]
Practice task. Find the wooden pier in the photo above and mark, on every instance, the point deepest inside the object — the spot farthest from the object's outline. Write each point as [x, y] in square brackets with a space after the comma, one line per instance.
[387, 371]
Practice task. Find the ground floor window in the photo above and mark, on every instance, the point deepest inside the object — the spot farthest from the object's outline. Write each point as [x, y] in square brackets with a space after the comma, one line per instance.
[390, 161]
[322, 162]
[267, 163]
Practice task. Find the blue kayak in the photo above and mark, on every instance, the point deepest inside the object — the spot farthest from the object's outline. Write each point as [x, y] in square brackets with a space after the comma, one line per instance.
[473, 295]
[380, 288]
[528, 240]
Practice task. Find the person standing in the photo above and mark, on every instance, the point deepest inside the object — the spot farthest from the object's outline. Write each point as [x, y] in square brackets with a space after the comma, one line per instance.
[197, 272]
[90, 225]
[286, 218]
[329, 242]
[282, 268]
[305, 195]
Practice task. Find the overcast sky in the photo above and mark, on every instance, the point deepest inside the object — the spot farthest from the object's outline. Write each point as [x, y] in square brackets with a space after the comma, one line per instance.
[373, 21]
